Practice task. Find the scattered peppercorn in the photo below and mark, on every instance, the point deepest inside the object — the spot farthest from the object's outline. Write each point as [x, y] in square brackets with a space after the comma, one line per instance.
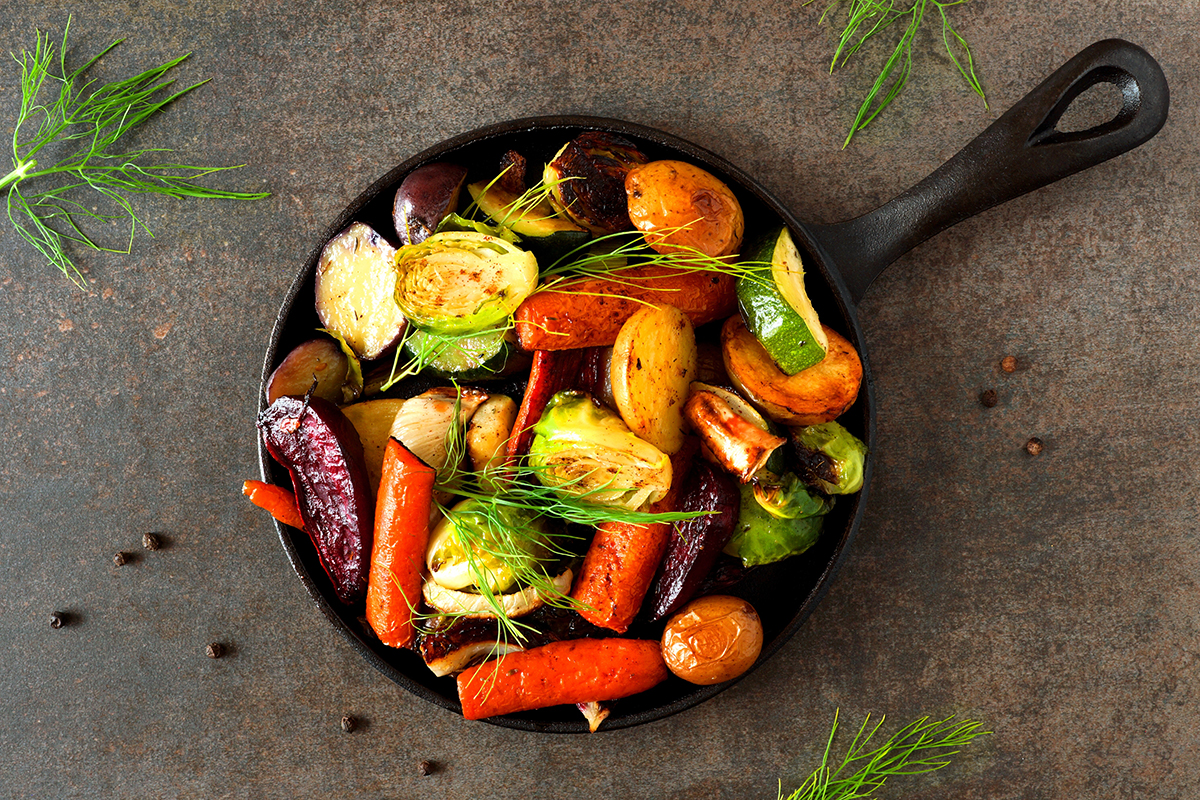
[988, 398]
[150, 541]
[1009, 363]
[348, 724]
[119, 559]
[215, 650]
[57, 620]
[426, 768]
[1034, 446]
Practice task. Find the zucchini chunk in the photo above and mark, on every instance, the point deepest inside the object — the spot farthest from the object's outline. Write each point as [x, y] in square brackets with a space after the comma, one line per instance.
[549, 236]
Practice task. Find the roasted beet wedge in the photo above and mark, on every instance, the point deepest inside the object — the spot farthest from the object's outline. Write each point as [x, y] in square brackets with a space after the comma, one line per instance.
[322, 451]
[697, 542]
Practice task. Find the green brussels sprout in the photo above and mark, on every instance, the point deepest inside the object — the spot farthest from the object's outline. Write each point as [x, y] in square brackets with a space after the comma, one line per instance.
[462, 281]
[829, 458]
[582, 448]
[776, 521]
[466, 548]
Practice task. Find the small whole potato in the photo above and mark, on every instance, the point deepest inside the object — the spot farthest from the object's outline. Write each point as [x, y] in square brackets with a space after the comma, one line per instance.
[712, 639]
[677, 205]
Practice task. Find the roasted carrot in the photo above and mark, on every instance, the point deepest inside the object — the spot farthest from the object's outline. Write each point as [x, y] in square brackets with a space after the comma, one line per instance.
[572, 671]
[279, 502]
[401, 536]
[623, 557]
[590, 312]
[551, 372]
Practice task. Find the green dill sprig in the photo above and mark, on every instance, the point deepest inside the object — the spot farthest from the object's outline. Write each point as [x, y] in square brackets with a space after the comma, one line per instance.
[85, 121]
[866, 19]
[923, 745]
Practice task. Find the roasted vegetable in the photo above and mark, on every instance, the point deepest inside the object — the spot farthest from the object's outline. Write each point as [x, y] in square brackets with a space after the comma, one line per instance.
[422, 422]
[712, 640]
[623, 558]
[401, 538]
[451, 644]
[318, 361]
[551, 373]
[693, 548]
[820, 393]
[776, 521]
[590, 312]
[514, 604]
[677, 206]
[425, 198]
[354, 286]
[829, 458]
[587, 180]
[549, 236]
[487, 435]
[575, 671]
[583, 448]
[463, 358]
[653, 365]
[280, 503]
[496, 557]
[776, 308]
[462, 282]
[373, 420]
[321, 450]
[734, 435]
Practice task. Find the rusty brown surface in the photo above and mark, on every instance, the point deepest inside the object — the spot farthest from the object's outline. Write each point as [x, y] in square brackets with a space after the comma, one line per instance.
[1054, 597]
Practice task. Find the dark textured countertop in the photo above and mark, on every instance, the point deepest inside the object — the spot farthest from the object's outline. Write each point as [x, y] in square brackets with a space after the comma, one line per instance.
[1053, 597]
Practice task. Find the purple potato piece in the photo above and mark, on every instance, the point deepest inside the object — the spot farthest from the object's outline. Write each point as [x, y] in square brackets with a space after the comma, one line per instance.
[322, 451]
[320, 360]
[695, 543]
[425, 198]
[356, 288]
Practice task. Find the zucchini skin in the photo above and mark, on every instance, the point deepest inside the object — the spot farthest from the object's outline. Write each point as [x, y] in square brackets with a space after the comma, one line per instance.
[781, 331]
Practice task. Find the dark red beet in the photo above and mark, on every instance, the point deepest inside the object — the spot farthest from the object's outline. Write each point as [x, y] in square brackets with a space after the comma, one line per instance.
[324, 455]
[695, 543]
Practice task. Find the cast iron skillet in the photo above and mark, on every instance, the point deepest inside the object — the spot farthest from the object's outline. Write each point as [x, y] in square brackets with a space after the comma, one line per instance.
[1020, 152]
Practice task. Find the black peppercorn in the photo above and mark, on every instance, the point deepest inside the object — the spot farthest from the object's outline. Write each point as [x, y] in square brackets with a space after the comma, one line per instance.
[119, 560]
[150, 541]
[988, 398]
[215, 650]
[426, 768]
[348, 724]
[1034, 446]
[57, 620]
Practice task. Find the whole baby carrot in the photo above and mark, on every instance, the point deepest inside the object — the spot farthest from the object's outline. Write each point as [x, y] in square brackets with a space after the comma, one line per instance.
[401, 536]
[279, 502]
[623, 557]
[572, 671]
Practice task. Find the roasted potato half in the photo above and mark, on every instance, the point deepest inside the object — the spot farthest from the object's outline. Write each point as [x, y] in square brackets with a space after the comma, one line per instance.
[653, 366]
[355, 288]
[820, 393]
[677, 205]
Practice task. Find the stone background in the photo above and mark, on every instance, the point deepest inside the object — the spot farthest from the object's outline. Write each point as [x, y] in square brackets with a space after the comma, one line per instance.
[1054, 598]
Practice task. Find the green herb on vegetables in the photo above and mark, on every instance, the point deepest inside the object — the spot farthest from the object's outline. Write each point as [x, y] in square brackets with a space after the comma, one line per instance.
[868, 18]
[919, 747]
[83, 122]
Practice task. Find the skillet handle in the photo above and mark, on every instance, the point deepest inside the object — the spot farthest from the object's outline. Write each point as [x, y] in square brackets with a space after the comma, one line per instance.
[1021, 151]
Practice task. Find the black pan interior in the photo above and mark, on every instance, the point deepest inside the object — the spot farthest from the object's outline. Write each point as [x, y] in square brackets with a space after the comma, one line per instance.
[784, 594]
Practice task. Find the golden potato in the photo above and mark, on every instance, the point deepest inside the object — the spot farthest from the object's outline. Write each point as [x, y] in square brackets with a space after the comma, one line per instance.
[712, 639]
[373, 421]
[821, 393]
[653, 365]
[677, 205]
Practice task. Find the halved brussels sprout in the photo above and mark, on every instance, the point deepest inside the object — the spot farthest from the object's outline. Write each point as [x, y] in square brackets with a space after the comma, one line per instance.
[766, 532]
[495, 555]
[829, 458]
[584, 449]
[462, 281]
[587, 181]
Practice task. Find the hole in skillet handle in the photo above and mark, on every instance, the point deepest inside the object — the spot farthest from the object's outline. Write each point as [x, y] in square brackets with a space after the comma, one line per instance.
[784, 594]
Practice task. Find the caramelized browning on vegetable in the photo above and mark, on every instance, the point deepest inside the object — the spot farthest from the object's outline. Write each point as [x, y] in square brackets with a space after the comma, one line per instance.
[677, 205]
[321, 450]
[587, 180]
[319, 361]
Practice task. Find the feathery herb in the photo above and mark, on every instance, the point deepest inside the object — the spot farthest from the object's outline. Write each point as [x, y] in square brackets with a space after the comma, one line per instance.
[919, 747]
[868, 18]
[81, 122]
